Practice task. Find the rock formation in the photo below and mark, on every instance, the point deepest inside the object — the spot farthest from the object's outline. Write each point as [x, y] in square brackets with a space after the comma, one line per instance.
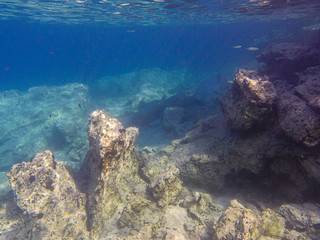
[50, 205]
[249, 101]
[112, 170]
[292, 221]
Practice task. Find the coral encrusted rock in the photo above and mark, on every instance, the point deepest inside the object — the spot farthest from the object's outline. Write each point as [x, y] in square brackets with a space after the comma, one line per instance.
[112, 170]
[51, 205]
[249, 101]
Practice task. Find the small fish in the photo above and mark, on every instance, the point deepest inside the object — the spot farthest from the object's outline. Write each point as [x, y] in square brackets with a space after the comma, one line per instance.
[49, 115]
[237, 46]
[4, 95]
[125, 4]
[231, 81]
[252, 49]
[79, 105]
[51, 53]
[6, 68]
[131, 31]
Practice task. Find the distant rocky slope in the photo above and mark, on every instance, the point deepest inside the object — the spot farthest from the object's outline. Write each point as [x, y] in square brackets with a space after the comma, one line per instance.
[252, 173]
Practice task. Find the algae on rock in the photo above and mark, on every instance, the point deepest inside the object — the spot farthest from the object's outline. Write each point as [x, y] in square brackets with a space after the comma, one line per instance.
[112, 169]
[51, 205]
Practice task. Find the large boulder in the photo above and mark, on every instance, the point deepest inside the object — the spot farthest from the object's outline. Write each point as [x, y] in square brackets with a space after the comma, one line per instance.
[238, 222]
[51, 205]
[249, 101]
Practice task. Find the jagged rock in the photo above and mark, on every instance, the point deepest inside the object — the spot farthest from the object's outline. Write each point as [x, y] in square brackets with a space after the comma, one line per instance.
[238, 222]
[302, 217]
[286, 58]
[298, 120]
[273, 225]
[166, 187]
[52, 207]
[249, 101]
[112, 170]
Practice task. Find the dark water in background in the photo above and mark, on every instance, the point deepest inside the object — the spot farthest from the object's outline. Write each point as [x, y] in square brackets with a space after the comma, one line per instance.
[39, 52]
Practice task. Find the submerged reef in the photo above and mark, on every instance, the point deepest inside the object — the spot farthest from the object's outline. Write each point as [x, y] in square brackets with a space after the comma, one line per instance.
[249, 172]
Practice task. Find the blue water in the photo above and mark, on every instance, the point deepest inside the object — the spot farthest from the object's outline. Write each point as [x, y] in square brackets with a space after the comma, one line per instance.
[35, 54]
[174, 52]
[161, 66]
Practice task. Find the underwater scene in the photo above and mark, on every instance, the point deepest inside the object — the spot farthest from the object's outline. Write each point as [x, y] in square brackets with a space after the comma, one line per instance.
[160, 119]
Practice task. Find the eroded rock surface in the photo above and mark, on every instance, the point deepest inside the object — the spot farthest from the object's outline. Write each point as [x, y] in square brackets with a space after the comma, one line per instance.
[249, 102]
[299, 121]
[291, 221]
[238, 222]
[51, 205]
[111, 168]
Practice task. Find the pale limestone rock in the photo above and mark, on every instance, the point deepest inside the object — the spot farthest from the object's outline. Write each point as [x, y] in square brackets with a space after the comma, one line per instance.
[301, 217]
[238, 222]
[273, 225]
[112, 170]
[52, 207]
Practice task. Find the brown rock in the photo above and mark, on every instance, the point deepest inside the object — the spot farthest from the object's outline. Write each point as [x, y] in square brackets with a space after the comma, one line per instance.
[166, 187]
[112, 169]
[238, 222]
[301, 217]
[52, 206]
[249, 101]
